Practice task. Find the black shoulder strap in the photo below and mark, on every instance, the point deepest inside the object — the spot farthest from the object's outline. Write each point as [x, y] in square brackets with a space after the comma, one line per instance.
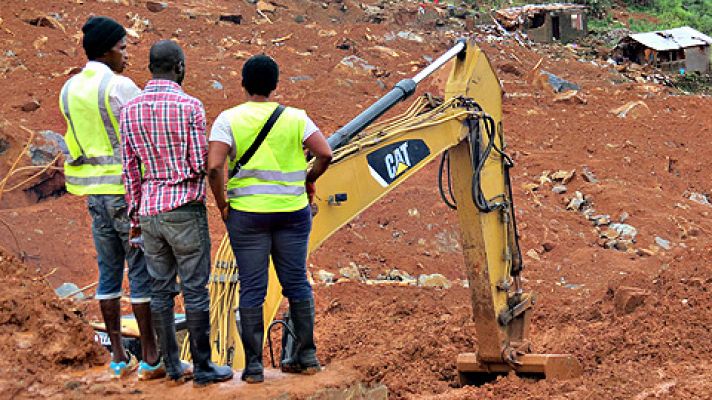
[258, 140]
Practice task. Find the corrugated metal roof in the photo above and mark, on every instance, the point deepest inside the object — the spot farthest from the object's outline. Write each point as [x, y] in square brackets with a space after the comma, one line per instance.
[672, 39]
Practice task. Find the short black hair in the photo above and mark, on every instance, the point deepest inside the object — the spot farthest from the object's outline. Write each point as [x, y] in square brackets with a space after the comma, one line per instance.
[260, 75]
[164, 56]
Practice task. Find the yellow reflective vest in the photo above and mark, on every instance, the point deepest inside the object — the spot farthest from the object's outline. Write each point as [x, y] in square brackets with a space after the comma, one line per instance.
[273, 179]
[93, 165]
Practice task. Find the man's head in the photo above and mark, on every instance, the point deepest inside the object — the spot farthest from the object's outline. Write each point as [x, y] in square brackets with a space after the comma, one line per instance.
[260, 75]
[105, 41]
[167, 61]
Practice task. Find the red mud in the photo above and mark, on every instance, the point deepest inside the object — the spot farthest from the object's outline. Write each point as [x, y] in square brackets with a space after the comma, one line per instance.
[407, 338]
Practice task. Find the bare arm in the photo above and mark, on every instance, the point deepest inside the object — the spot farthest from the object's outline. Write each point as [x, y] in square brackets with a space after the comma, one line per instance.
[217, 154]
[318, 146]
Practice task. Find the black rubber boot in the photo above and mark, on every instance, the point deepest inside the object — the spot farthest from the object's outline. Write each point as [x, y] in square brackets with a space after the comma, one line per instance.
[252, 334]
[204, 371]
[164, 324]
[302, 315]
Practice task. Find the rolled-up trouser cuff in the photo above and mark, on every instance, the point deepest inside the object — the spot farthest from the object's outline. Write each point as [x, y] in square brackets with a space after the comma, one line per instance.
[140, 300]
[108, 296]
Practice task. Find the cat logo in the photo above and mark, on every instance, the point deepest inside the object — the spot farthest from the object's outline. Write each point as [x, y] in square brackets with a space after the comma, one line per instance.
[390, 162]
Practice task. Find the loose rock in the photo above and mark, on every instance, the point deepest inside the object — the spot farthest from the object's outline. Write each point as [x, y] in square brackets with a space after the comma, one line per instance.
[434, 280]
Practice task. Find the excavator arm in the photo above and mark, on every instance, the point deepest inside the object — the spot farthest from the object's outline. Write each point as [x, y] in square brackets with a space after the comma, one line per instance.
[464, 129]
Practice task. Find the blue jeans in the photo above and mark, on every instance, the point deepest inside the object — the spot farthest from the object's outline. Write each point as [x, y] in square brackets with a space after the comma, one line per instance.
[110, 229]
[177, 243]
[284, 236]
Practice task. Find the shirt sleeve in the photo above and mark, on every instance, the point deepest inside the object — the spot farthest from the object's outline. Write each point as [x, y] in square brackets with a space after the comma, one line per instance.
[131, 171]
[309, 129]
[123, 91]
[222, 132]
[198, 142]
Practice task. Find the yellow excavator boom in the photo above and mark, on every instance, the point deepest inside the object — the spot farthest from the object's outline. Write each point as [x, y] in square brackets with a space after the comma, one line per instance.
[372, 158]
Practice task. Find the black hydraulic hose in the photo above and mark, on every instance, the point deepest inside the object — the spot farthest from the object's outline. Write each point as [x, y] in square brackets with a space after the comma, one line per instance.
[401, 91]
[445, 169]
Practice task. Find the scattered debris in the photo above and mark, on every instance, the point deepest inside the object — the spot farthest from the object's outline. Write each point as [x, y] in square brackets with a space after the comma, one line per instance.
[45, 153]
[533, 254]
[664, 243]
[700, 198]
[357, 63]
[559, 84]
[588, 175]
[217, 85]
[351, 272]
[572, 95]
[300, 78]
[326, 276]
[624, 230]
[559, 189]
[434, 280]
[563, 176]
[232, 18]
[156, 6]
[577, 202]
[30, 106]
[627, 299]
[623, 110]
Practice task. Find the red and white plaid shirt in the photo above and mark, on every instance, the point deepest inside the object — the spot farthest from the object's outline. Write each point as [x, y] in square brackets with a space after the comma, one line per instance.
[163, 129]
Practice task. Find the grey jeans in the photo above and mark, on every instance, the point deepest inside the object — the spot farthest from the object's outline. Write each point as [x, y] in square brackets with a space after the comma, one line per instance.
[177, 243]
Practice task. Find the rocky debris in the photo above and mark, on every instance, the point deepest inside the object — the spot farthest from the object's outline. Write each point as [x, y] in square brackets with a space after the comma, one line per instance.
[559, 189]
[30, 106]
[357, 64]
[231, 18]
[624, 230]
[44, 153]
[559, 85]
[326, 276]
[396, 275]
[563, 176]
[577, 202]
[627, 299]
[588, 175]
[631, 108]
[533, 254]
[699, 198]
[217, 85]
[351, 272]
[156, 6]
[664, 243]
[570, 96]
[434, 280]
[4, 145]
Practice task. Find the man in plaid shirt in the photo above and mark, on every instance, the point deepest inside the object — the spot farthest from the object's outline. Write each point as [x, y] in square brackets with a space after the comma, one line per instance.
[163, 131]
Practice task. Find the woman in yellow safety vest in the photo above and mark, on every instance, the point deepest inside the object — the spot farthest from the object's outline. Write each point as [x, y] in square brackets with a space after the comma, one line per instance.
[267, 209]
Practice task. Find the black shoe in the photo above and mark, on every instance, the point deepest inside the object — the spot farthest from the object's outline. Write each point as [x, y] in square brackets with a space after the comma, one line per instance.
[303, 359]
[204, 371]
[252, 334]
[164, 324]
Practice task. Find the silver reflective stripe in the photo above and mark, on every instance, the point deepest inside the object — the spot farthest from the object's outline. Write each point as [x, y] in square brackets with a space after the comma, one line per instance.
[102, 160]
[65, 106]
[93, 180]
[266, 189]
[106, 119]
[266, 175]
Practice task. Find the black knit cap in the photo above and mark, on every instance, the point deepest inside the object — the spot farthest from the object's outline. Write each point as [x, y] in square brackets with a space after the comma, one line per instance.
[100, 35]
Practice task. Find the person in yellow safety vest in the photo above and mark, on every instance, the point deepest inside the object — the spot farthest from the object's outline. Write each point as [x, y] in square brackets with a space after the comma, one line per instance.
[91, 102]
[268, 212]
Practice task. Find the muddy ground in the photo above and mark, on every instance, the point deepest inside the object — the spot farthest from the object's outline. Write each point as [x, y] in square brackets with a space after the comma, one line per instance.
[646, 164]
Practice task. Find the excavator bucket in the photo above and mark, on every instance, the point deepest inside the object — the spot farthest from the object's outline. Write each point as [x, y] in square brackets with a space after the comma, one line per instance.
[472, 371]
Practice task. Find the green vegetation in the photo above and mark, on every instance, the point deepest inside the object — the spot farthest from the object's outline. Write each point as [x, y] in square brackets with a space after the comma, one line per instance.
[666, 14]
[674, 13]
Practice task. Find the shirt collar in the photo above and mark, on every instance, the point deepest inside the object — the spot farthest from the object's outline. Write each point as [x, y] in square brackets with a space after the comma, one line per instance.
[162, 85]
[98, 66]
